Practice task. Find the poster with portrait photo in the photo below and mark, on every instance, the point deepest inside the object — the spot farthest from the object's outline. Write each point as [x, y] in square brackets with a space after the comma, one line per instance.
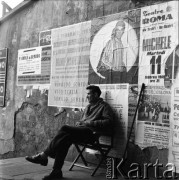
[114, 48]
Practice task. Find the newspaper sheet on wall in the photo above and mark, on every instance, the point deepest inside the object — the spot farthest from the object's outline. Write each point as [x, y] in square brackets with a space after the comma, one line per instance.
[34, 66]
[117, 96]
[174, 131]
[153, 126]
[70, 64]
[114, 48]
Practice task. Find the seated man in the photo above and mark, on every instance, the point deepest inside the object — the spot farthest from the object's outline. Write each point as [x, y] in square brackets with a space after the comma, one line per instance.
[97, 116]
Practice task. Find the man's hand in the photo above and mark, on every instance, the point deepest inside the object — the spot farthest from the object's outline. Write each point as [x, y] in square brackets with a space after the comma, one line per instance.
[80, 123]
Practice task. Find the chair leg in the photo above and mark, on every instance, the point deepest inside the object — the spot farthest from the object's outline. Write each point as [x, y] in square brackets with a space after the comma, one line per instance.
[103, 152]
[80, 151]
[81, 154]
[104, 155]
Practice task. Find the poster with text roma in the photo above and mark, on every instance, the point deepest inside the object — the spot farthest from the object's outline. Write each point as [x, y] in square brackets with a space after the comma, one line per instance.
[114, 48]
[70, 64]
[158, 67]
[158, 44]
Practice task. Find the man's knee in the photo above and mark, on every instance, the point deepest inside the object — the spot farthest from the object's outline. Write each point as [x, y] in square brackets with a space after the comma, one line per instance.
[64, 128]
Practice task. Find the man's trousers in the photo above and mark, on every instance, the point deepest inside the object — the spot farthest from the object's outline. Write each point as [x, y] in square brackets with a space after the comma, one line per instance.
[66, 136]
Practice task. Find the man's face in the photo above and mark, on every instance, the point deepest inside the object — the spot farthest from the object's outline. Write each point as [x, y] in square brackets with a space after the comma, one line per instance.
[92, 97]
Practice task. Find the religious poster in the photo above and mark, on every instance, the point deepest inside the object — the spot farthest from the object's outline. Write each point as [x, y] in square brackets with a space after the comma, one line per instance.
[153, 120]
[115, 48]
[117, 96]
[70, 64]
[174, 131]
[158, 57]
[34, 66]
[3, 73]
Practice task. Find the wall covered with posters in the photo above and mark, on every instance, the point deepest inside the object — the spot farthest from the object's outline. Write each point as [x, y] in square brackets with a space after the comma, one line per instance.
[27, 123]
[54, 54]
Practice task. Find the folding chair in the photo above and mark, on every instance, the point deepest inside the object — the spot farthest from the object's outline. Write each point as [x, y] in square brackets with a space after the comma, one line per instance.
[103, 144]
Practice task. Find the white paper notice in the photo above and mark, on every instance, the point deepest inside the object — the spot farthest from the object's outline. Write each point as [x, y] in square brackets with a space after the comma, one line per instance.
[29, 61]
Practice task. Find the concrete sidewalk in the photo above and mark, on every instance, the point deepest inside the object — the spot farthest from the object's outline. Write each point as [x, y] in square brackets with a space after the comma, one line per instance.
[20, 169]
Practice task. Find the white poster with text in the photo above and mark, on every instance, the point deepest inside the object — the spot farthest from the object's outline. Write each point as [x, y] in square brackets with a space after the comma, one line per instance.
[158, 41]
[70, 64]
[117, 96]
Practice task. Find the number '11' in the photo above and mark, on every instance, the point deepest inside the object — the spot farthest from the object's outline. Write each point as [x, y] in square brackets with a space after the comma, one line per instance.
[155, 65]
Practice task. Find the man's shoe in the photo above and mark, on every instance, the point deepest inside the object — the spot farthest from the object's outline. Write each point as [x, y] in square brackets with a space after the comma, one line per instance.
[54, 174]
[37, 159]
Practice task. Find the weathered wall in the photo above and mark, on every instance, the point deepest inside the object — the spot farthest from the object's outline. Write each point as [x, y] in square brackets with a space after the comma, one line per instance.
[34, 122]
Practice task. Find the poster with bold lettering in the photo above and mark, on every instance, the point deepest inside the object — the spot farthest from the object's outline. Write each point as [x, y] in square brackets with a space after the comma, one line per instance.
[174, 131]
[117, 96]
[29, 61]
[158, 57]
[114, 48]
[70, 64]
[34, 66]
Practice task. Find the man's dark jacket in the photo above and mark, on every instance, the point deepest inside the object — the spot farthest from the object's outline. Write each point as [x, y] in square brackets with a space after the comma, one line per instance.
[98, 117]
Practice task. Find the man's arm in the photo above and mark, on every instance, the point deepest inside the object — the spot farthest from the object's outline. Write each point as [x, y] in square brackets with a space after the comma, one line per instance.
[105, 121]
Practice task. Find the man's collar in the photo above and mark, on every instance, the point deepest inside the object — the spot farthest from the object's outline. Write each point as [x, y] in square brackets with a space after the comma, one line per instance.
[97, 102]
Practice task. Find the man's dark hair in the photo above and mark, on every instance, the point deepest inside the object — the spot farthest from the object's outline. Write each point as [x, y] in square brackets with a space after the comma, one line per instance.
[94, 89]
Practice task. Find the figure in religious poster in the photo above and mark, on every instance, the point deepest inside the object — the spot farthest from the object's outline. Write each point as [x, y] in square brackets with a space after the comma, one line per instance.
[111, 65]
[114, 49]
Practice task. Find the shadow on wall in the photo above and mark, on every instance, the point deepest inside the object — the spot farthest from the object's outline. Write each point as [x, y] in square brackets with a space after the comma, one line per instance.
[146, 160]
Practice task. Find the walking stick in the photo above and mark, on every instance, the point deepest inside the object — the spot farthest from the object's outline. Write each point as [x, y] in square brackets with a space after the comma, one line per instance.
[140, 98]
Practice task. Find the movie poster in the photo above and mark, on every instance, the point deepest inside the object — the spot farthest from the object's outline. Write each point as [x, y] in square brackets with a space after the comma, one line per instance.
[70, 64]
[114, 48]
[158, 57]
